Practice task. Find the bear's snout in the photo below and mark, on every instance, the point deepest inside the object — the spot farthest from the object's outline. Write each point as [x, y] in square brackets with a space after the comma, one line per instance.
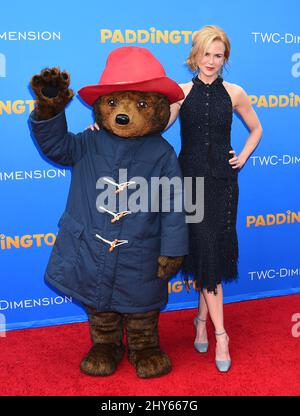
[122, 119]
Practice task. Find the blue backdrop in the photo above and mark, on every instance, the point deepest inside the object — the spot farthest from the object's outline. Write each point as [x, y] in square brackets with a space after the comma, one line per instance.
[265, 61]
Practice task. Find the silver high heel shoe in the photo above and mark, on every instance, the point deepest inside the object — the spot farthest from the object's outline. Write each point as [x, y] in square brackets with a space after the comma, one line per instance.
[224, 365]
[200, 346]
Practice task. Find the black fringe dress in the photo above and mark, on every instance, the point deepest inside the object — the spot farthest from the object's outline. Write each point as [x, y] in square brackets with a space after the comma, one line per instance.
[206, 118]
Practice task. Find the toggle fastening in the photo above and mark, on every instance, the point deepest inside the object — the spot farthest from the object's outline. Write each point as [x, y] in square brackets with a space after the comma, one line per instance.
[120, 186]
[116, 216]
[113, 243]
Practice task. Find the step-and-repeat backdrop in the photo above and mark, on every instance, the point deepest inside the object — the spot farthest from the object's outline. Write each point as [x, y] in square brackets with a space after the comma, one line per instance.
[265, 61]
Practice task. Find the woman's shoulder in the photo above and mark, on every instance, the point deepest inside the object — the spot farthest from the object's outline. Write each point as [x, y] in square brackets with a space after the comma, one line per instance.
[234, 88]
[235, 91]
[186, 86]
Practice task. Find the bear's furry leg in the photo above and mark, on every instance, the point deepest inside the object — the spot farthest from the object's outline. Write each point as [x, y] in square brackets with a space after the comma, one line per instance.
[106, 330]
[143, 345]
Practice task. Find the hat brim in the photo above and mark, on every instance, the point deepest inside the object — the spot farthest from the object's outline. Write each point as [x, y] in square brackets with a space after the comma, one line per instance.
[163, 85]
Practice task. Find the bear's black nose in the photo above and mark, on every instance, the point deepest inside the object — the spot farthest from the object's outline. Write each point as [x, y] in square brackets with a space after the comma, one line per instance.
[122, 119]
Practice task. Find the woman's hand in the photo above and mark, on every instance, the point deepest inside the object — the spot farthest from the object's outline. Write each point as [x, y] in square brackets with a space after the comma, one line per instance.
[236, 162]
[93, 127]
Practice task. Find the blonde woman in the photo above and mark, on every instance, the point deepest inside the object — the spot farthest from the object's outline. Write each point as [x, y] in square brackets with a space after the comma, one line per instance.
[206, 117]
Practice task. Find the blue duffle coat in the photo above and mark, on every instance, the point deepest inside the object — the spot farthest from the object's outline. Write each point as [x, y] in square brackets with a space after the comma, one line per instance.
[84, 263]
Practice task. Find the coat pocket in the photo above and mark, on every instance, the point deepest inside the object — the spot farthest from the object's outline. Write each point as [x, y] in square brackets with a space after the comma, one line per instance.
[68, 241]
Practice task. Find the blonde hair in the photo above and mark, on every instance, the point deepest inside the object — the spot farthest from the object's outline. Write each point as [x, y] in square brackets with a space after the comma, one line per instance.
[202, 39]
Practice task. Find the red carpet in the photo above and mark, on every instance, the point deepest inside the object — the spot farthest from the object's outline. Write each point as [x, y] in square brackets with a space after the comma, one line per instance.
[265, 356]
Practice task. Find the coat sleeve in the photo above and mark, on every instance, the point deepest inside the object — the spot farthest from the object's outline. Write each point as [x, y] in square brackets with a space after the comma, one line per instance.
[55, 142]
[174, 230]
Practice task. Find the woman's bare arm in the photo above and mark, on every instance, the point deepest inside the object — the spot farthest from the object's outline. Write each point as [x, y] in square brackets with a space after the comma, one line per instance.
[244, 108]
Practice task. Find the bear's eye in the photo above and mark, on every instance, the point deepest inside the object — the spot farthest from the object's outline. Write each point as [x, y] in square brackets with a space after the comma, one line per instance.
[111, 102]
[142, 104]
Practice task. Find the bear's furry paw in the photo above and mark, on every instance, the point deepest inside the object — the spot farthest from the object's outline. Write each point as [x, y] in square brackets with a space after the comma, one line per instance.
[52, 91]
[151, 363]
[102, 359]
[168, 266]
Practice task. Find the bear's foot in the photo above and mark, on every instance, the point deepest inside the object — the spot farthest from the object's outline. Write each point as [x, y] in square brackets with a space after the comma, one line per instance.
[102, 359]
[150, 363]
[143, 345]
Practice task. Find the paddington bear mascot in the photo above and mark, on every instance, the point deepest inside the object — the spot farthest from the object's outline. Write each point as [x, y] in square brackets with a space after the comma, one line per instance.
[116, 258]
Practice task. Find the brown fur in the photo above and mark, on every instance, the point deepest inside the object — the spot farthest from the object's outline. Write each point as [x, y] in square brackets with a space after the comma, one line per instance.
[102, 360]
[168, 266]
[143, 345]
[142, 121]
[106, 330]
[51, 88]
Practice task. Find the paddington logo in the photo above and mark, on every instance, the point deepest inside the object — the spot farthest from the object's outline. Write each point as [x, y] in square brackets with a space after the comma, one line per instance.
[2, 65]
[178, 286]
[16, 107]
[288, 217]
[8, 242]
[150, 35]
[272, 101]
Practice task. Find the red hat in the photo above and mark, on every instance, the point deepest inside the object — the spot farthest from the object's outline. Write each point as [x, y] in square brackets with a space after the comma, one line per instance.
[132, 68]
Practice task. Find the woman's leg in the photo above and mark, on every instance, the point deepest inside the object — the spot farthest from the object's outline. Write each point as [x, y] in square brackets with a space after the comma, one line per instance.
[201, 336]
[215, 308]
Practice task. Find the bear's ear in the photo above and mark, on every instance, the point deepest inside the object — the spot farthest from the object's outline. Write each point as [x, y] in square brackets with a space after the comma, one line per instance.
[161, 114]
[97, 102]
[97, 111]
